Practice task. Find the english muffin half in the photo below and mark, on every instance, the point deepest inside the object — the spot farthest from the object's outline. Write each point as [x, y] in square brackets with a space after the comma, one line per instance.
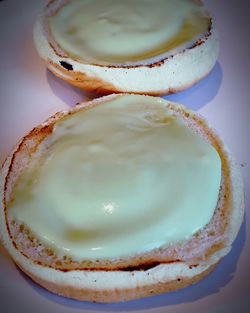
[120, 198]
[145, 47]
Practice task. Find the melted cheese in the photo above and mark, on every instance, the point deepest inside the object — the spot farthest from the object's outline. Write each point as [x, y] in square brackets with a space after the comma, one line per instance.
[118, 31]
[119, 179]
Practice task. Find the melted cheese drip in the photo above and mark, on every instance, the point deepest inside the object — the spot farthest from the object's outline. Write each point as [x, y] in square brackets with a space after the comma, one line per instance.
[119, 179]
[118, 31]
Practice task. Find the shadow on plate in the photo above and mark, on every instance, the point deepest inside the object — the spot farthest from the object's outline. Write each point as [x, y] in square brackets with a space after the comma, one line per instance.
[69, 94]
[219, 278]
[202, 93]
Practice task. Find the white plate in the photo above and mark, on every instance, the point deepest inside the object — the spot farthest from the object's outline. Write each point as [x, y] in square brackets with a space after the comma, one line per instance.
[29, 94]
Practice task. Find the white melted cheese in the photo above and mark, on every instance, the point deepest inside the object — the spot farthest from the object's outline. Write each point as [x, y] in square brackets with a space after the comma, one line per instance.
[125, 31]
[119, 179]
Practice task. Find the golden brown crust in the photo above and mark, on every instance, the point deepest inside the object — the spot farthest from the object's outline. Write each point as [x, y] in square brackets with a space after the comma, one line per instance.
[81, 80]
[116, 295]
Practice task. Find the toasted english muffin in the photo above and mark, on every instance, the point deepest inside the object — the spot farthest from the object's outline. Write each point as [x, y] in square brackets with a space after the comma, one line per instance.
[145, 47]
[155, 234]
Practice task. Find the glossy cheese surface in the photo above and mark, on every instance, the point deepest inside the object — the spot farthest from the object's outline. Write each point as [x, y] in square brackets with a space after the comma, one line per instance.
[118, 31]
[118, 179]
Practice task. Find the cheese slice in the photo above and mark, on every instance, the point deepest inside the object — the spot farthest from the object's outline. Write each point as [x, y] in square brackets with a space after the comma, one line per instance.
[119, 179]
[128, 31]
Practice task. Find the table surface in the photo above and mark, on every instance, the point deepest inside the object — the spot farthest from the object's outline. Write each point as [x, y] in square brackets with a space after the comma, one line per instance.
[29, 94]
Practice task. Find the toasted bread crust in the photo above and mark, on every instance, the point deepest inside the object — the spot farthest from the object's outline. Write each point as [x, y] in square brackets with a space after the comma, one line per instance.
[213, 236]
[164, 262]
[116, 295]
[164, 75]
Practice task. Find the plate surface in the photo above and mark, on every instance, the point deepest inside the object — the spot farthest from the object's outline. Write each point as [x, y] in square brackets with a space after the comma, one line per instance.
[29, 94]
